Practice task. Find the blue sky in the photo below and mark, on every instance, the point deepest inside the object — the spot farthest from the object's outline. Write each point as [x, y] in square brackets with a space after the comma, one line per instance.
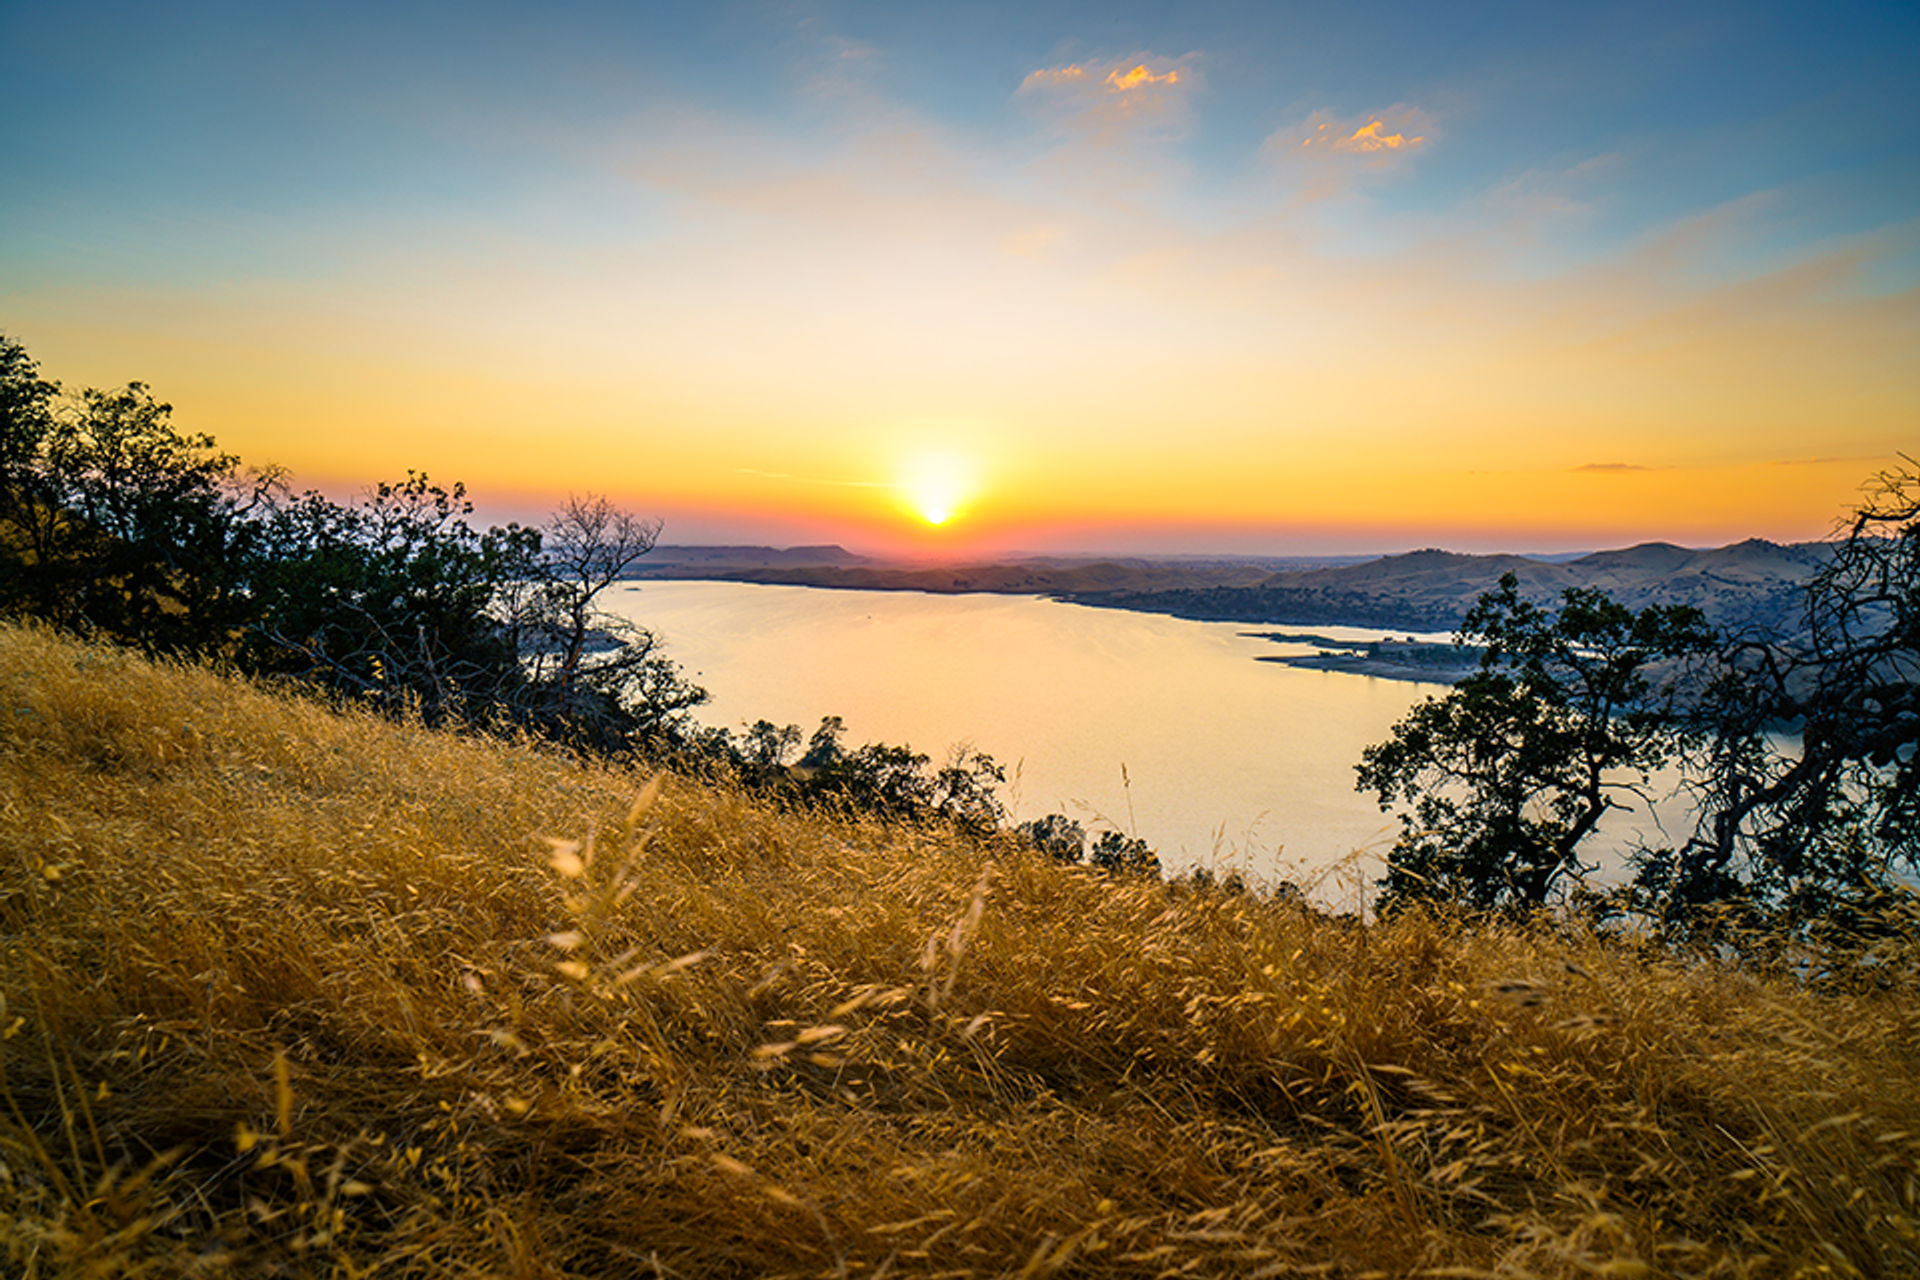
[736, 216]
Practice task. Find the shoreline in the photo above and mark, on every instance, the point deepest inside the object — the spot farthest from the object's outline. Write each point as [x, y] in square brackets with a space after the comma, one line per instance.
[1359, 664]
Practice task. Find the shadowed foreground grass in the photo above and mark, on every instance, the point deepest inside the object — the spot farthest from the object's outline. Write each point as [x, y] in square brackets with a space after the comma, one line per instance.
[297, 992]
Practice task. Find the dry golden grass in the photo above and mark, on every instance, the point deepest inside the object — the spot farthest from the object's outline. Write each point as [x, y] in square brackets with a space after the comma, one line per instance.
[295, 992]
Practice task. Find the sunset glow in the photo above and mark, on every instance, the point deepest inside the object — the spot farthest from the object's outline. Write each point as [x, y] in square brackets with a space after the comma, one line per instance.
[1190, 280]
[936, 486]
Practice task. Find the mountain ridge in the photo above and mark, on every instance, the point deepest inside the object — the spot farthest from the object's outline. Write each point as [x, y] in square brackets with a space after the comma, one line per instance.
[1751, 584]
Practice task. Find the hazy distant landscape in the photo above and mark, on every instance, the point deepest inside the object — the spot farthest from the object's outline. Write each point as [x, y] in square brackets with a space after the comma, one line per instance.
[1751, 584]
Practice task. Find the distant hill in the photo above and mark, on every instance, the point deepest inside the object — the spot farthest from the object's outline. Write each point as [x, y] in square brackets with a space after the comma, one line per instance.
[1098, 578]
[1749, 584]
[833, 566]
[669, 562]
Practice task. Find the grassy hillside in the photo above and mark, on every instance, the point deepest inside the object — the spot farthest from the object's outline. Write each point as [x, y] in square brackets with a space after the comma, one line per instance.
[303, 993]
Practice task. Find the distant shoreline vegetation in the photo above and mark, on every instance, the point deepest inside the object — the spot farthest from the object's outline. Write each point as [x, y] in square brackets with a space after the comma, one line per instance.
[1419, 661]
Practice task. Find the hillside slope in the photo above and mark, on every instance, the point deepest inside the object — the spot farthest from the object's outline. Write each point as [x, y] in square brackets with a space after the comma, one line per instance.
[296, 992]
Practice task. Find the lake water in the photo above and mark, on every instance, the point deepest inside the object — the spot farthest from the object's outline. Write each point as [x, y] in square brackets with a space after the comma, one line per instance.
[1157, 726]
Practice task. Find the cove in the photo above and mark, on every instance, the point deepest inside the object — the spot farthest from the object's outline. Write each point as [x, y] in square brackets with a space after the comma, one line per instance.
[1161, 727]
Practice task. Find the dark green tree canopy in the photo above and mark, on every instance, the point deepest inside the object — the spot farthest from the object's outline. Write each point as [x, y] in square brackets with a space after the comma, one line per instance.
[388, 599]
[112, 522]
[1800, 753]
[1563, 720]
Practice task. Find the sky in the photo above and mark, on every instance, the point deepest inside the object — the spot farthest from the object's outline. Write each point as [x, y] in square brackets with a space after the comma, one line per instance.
[950, 279]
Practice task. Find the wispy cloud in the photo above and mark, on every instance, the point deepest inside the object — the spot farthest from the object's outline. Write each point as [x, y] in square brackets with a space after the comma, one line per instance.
[1139, 77]
[1113, 99]
[1119, 77]
[799, 285]
[1399, 128]
[1556, 190]
[1054, 78]
[1370, 137]
[1326, 151]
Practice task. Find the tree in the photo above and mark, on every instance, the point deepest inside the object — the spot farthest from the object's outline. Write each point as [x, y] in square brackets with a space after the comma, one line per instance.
[28, 504]
[765, 747]
[1807, 771]
[595, 676]
[112, 522]
[1123, 855]
[1566, 715]
[1057, 836]
[389, 600]
[878, 778]
[585, 547]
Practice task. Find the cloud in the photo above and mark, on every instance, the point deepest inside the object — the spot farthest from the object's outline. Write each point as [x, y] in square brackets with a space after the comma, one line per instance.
[1139, 77]
[1114, 100]
[1543, 201]
[1612, 467]
[1326, 150]
[840, 70]
[1054, 78]
[1119, 77]
[1399, 128]
[1370, 137]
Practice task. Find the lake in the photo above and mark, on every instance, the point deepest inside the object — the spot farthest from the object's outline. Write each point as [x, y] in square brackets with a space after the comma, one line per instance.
[1159, 727]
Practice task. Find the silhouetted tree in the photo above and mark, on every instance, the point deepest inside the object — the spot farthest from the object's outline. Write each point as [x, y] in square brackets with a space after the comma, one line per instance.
[112, 523]
[30, 509]
[766, 747]
[1057, 836]
[390, 599]
[1123, 855]
[1808, 766]
[116, 524]
[878, 778]
[598, 673]
[1568, 712]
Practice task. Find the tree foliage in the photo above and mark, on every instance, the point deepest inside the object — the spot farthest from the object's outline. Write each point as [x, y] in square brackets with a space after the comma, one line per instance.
[1123, 855]
[388, 599]
[1563, 720]
[400, 600]
[884, 779]
[1057, 836]
[596, 672]
[112, 522]
[1800, 753]
[1065, 840]
[1807, 763]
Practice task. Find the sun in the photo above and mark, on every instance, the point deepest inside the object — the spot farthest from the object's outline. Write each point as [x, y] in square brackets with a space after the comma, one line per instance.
[936, 485]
